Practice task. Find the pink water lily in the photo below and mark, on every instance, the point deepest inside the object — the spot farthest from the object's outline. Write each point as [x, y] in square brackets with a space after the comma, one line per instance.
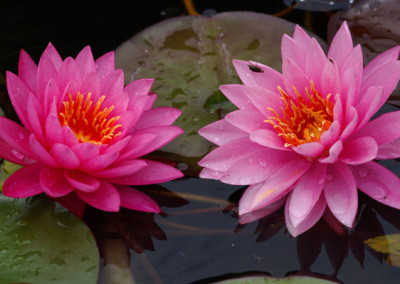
[304, 137]
[84, 134]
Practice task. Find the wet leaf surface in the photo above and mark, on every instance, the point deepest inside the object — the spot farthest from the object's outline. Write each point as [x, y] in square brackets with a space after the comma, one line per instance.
[41, 242]
[190, 57]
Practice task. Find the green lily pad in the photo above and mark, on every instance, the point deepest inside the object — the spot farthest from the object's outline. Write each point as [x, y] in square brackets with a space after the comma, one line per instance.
[387, 244]
[41, 242]
[190, 57]
[277, 280]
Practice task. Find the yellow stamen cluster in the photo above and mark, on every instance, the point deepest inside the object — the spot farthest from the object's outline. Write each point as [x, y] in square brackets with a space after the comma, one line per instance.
[89, 123]
[302, 121]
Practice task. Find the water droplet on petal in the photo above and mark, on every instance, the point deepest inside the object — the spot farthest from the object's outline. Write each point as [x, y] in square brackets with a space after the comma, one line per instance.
[20, 136]
[17, 154]
[262, 163]
[376, 190]
[329, 177]
[363, 172]
[215, 139]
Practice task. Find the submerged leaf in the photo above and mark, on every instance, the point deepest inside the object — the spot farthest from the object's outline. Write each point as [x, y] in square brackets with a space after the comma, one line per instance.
[41, 242]
[387, 244]
[273, 280]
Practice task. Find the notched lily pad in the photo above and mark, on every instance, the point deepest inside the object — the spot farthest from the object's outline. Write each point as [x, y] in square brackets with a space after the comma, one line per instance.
[387, 244]
[41, 242]
[190, 57]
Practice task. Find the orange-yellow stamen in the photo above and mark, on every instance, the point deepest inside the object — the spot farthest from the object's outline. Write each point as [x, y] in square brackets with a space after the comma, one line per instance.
[89, 124]
[302, 121]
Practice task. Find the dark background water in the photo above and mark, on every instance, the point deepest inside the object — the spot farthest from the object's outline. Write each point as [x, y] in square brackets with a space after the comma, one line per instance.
[197, 238]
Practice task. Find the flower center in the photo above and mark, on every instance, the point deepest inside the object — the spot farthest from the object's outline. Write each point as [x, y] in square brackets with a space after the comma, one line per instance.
[89, 124]
[302, 121]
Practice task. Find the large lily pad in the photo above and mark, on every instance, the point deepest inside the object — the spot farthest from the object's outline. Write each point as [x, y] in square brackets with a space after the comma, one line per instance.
[41, 242]
[190, 56]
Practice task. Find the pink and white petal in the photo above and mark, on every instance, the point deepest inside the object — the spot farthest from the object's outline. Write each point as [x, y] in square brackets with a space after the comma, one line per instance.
[380, 60]
[54, 183]
[359, 151]
[134, 199]
[294, 76]
[85, 62]
[334, 152]
[338, 111]
[158, 116]
[389, 150]
[351, 72]
[154, 172]
[330, 81]
[290, 49]
[73, 204]
[258, 166]
[81, 181]
[341, 193]
[98, 162]
[221, 132]
[105, 198]
[268, 138]
[311, 149]
[53, 130]
[341, 45]
[301, 36]
[137, 144]
[27, 70]
[64, 156]
[277, 186]
[105, 64]
[369, 105]
[350, 124]
[24, 182]
[261, 213]
[121, 168]
[85, 151]
[379, 183]
[221, 158]
[210, 174]
[267, 78]
[53, 55]
[329, 137]
[307, 221]
[236, 94]
[305, 194]
[262, 99]
[383, 129]
[313, 58]
[41, 153]
[247, 120]
[139, 88]
[380, 78]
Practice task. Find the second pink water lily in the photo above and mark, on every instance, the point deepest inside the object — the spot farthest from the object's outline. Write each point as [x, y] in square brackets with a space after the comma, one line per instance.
[304, 137]
[85, 135]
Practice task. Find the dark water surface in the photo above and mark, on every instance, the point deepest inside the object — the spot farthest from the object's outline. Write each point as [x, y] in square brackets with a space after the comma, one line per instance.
[197, 238]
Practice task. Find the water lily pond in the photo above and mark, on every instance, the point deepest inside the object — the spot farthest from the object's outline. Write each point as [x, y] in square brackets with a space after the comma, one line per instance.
[188, 48]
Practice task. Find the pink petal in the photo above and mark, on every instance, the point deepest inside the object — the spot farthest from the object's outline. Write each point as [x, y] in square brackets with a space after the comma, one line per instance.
[267, 78]
[247, 120]
[341, 193]
[235, 93]
[121, 168]
[117, 146]
[90, 84]
[389, 150]
[350, 124]
[224, 156]
[359, 150]
[290, 49]
[85, 61]
[268, 138]
[351, 72]
[261, 213]
[301, 36]
[140, 87]
[64, 156]
[257, 167]
[134, 199]
[305, 194]
[54, 183]
[312, 149]
[34, 117]
[263, 99]
[69, 75]
[69, 137]
[27, 70]
[312, 66]
[381, 60]
[379, 183]
[46, 70]
[206, 173]
[24, 182]
[53, 130]
[41, 153]
[137, 145]
[383, 129]
[369, 105]
[306, 222]
[53, 55]
[154, 172]
[112, 84]
[221, 132]
[11, 154]
[158, 116]
[334, 153]
[99, 162]
[73, 204]
[105, 198]
[331, 135]
[341, 45]
[105, 64]
[330, 82]
[82, 181]
[85, 151]
[263, 194]
[294, 76]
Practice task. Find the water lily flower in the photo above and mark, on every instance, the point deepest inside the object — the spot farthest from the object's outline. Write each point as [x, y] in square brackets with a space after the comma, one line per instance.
[304, 138]
[84, 134]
